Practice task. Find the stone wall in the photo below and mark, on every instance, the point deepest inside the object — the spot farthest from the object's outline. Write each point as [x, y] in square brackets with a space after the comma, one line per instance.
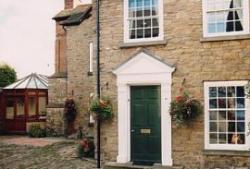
[81, 83]
[57, 94]
[57, 91]
[196, 61]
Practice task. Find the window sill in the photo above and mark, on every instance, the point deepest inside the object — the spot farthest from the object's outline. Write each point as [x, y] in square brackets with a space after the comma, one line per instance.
[225, 38]
[140, 44]
[244, 153]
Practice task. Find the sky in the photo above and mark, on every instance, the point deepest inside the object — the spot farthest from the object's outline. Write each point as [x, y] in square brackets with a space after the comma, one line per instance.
[27, 35]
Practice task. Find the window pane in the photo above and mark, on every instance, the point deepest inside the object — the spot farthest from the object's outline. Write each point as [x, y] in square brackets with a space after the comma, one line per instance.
[240, 103]
[222, 103]
[147, 3]
[20, 106]
[222, 127]
[10, 108]
[240, 127]
[238, 14]
[132, 34]
[231, 92]
[222, 91]
[213, 115]
[139, 3]
[237, 3]
[154, 11]
[139, 23]
[139, 12]
[231, 115]
[230, 103]
[213, 103]
[212, 91]
[238, 26]
[222, 138]
[211, 28]
[154, 2]
[231, 127]
[155, 22]
[241, 139]
[32, 106]
[147, 33]
[147, 23]
[147, 12]
[139, 33]
[132, 3]
[221, 27]
[213, 127]
[132, 24]
[155, 32]
[222, 115]
[213, 138]
[240, 91]
[240, 115]
[211, 17]
[230, 26]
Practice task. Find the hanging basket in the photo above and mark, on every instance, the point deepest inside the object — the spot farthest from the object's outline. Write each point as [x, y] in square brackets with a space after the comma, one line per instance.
[102, 107]
[184, 109]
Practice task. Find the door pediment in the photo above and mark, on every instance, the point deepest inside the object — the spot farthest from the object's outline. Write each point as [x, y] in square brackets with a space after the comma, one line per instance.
[143, 63]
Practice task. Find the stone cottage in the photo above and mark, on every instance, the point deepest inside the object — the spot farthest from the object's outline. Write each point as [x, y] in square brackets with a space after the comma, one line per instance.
[149, 50]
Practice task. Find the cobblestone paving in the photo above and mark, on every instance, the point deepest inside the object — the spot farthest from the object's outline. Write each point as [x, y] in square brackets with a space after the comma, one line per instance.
[60, 155]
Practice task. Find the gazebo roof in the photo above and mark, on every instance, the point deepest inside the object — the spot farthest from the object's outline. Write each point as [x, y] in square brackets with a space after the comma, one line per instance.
[32, 81]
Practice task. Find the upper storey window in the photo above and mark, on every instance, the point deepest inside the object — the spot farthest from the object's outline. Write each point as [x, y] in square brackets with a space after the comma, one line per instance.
[143, 20]
[225, 17]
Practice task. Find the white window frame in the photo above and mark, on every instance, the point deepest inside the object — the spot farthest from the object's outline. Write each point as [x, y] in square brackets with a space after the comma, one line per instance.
[126, 25]
[245, 25]
[236, 147]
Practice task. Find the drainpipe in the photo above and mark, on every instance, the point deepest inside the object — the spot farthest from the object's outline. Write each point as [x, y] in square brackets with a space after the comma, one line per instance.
[98, 82]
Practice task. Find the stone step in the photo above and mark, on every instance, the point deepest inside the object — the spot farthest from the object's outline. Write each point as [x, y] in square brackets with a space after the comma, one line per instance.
[113, 165]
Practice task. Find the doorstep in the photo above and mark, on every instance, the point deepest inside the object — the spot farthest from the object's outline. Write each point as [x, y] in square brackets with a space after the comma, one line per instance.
[113, 165]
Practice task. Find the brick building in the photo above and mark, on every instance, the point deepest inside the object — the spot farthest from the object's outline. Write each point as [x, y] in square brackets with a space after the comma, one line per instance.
[149, 50]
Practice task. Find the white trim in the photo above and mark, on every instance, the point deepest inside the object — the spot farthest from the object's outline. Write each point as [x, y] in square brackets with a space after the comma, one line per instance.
[209, 146]
[91, 57]
[125, 79]
[126, 25]
[245, 21]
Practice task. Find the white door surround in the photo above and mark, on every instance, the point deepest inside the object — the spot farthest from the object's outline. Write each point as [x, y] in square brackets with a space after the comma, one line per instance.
[143, 69]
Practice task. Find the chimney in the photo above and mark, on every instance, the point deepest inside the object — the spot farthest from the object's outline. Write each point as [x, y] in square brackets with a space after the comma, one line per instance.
[68, 4]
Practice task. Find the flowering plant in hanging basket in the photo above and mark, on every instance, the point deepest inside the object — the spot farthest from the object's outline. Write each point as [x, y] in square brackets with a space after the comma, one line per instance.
[184, 109]
[70, 110]
[102, 107]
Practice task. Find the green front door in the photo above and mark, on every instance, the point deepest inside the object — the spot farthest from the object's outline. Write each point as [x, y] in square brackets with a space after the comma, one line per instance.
[145, 125]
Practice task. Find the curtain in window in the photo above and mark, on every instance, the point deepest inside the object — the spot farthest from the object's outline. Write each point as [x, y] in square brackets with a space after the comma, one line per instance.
[233, 19]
